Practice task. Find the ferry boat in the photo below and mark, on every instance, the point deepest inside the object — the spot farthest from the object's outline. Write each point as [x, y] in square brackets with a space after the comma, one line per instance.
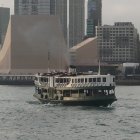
[84, 89]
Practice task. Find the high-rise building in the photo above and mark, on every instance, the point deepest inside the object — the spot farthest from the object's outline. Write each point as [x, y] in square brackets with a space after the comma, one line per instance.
[118, 43]
[4, 20]
[94, 10]
[70, 12]
[32, 7]
[76, 21]
[61, 10]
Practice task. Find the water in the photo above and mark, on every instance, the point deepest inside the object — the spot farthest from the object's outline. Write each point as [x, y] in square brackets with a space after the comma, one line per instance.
[22, 117]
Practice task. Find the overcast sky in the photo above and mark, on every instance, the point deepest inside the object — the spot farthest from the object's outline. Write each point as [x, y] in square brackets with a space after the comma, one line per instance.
[112, 11]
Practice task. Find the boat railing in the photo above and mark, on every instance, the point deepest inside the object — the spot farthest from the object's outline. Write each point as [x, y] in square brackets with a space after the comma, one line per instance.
[61, 85]
[91, 84]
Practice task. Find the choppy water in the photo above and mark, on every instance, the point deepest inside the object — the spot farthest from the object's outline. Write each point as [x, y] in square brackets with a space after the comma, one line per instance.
[23, 118]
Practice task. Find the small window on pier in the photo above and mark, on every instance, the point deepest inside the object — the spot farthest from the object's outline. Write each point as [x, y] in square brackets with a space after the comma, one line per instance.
[104, 79]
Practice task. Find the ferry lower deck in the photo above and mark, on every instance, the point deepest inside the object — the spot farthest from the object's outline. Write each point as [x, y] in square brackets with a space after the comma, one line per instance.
[77, 96]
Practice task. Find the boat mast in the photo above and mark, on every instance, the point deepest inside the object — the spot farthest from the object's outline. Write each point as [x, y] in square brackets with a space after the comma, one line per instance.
[68, 29]
[99, 64]
[48, 61]
[99, 68]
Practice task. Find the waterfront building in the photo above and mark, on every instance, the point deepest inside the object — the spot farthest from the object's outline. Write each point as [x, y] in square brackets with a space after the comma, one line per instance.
[4, 20]
[33, 44]
[70, 12]
[118, 43]
[94, 16]
[85, 53]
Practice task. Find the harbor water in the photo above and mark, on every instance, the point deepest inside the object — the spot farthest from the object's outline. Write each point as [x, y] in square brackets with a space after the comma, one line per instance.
[22, 117]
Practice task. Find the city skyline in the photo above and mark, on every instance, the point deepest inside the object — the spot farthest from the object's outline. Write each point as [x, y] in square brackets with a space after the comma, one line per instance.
[70, 12]
[112, 11]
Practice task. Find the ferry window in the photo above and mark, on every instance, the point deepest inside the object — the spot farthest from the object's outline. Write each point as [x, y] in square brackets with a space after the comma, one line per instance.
[81, 91]
[44, 90]
[75, 80]
[79, 81]
[85, 80]
[72, 80]
[57, 80]
[65, 80]
[42, 79]
[61, 80]
[104, 79]
[75, 91]
[69, 80]
[113, 79]
[82, 80]
[66, 93]
[36, 78]
[94, 79]
[45, 79]
[98, 79]
[90, 79]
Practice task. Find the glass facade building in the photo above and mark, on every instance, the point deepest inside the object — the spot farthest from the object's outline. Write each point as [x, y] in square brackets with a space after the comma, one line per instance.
[94, 10]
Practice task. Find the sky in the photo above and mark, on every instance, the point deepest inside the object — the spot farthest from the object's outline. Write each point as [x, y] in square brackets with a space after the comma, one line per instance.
[112, 11]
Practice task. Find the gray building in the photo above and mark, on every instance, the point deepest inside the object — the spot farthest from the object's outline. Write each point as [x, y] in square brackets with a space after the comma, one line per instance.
[76, 21]
[4, 20]
[118, 43]
[94, 9]
[61, 10]
[70, 12]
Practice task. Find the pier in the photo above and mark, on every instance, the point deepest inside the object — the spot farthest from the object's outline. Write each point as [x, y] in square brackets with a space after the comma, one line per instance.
[16, 79]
